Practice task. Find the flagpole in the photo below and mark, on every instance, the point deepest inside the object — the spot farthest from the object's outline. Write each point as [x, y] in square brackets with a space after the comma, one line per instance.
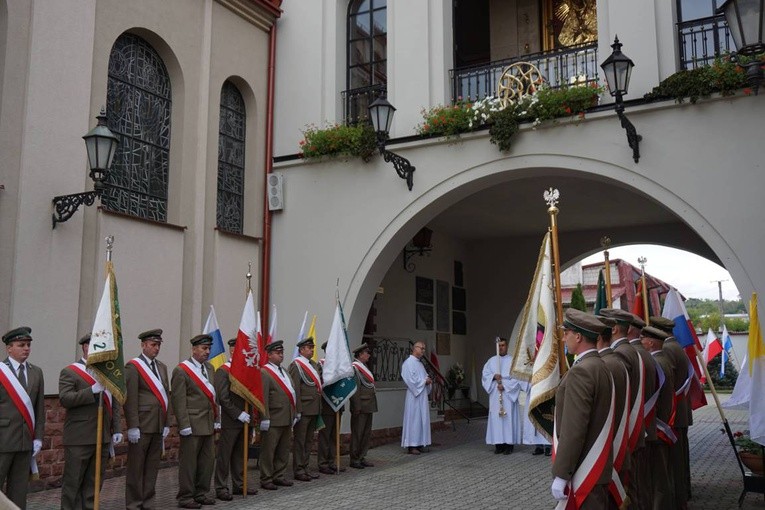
[642, 261]
[703, 364]
[246, 439]
[100, 421]
[551, 196]
[337, 442]
[605, 242]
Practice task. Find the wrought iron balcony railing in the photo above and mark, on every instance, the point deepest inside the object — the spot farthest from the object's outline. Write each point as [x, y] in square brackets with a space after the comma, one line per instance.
[559, 67]
[702, 40]
[356, 101]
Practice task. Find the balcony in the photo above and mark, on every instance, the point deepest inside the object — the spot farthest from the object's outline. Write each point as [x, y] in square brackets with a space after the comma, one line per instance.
[559, 67]
[356, 101]
[702, 40]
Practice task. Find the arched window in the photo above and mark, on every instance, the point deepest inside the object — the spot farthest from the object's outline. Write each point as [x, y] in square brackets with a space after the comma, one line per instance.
[367, 75]
[138, 112]
[230, 211]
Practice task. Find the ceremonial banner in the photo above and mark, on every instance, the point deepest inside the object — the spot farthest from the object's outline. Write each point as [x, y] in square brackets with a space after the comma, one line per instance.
[601, 301]
[338, 374]
[217, 350]
[637, 306]
[105, 349]
[249, 355]
[536, 348]
[727, 346]
[756, 355]
[712, 348]
[272, 325]
[312, 334]
[685, 333]
[301, 335]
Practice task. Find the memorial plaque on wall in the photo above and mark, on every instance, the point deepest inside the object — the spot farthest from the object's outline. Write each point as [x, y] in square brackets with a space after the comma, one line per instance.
[459, 323]
[459, 299]
[424, 317]
[424, 290]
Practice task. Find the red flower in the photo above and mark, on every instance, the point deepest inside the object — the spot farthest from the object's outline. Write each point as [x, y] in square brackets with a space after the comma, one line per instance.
[748, 91]
[568, 110]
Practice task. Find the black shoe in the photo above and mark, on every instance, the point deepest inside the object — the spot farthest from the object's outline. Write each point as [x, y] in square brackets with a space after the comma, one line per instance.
[205, 500]
[366, 463]
[538, 451]
[283, 483]
[326, 470]
[225, 496]
[424, 449]
[190, 504]
[357, 465]
[250, 491]
[508, 449]
[548, 451]
[269, 486]
[498, 448]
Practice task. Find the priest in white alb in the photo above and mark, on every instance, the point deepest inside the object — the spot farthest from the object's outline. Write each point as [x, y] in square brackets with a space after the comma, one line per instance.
[503, 428]
[415, 434]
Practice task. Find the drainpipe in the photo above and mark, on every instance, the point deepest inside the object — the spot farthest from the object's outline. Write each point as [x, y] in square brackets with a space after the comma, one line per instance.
[265, 277]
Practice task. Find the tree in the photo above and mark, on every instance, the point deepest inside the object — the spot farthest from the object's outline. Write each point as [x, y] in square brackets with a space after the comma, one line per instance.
[731, 374]
[577, 298]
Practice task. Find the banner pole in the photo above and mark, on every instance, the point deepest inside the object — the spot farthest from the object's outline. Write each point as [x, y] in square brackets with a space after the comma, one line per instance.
[642, 261]
[551, 196]
[337, 442]
[246, 426]
[605, 242]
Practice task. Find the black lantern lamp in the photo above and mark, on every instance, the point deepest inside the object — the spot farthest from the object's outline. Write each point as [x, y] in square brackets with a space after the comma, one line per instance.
[420, 245]
[618, 70]
[101, 144]
[746, 20]
[381, 114]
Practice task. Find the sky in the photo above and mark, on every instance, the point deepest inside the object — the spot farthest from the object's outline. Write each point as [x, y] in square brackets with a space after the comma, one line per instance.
[693, 276]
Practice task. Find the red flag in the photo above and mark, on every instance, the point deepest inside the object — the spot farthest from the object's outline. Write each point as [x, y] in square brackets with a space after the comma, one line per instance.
[249, 355]
[637, 306]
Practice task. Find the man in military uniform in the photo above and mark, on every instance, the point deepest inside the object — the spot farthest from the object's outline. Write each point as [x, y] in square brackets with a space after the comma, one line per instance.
[279, 401]
[363, 407]
[658, 450]
[327, 447]
[228, 458]
[306, 380]
[682, 373]
[79, 393]
[146, 410]
[22, 415]
[583, 409]
[196, 410]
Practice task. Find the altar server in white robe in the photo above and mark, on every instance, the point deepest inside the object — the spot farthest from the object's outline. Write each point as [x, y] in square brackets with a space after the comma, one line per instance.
[415, 434]
[502, 430]
[530, 433]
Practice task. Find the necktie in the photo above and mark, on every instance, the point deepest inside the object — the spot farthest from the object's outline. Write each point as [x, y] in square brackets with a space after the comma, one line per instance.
[22, 376]
[281, 371]
[204, 372]
[154, 369]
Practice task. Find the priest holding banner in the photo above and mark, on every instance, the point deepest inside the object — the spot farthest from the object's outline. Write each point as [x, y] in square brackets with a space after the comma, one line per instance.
[146, 411]
[196, 409]
[22, 405]
[503, 428]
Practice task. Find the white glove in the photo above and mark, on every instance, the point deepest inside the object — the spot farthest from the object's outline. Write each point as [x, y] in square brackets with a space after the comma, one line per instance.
[265, 425]
[297, 417]
[116, 438]
[558, 488]
[185, 432]
[165, 432]
[216, 426]
[36, 447]
[97, 388]
[244, 417]
[134, 435]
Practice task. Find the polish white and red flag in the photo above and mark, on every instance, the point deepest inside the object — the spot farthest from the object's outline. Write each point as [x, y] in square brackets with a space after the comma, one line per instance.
[249, 355]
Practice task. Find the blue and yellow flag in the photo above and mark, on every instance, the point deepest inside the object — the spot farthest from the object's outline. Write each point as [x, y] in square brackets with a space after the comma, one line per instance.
[217, 349]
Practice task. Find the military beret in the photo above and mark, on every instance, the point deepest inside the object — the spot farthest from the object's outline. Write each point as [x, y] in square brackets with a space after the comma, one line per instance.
[201, 340]
[18, 334]
[663, 323]
[275, 346]
[306, 341]
[610, 322]
[361, 348]
[622, 317]
[232, 342]
[584, 323]
[152, 334]
[85, 339]
[324, 346]
[652, 332]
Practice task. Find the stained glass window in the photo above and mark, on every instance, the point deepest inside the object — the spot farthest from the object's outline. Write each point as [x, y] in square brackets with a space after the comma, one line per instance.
[230, 211]
[138, 112]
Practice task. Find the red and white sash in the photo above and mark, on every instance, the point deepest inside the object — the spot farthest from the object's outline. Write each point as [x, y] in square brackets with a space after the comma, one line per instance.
[621, 434]
[589, 471]
[364, 372]
[19, 396]
[306, 369]
[151, 380]
[286, 386]
[650, 405]
[195, 374]
[80, 370]
[226, 367]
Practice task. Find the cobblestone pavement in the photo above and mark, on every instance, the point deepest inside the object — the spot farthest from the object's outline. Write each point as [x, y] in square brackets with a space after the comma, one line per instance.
[460, 472]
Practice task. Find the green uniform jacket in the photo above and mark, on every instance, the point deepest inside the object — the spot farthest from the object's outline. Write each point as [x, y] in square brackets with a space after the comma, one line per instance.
[680, 362]
[142, 409]
[308, 399]
[81, 424]
[276, 402]
[365, 399]
[14, 433]
[191, 406]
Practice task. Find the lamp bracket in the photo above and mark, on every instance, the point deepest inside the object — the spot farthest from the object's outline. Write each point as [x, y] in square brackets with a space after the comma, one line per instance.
[408, 253]
[65, 206]
[633, 138]
[403, 167]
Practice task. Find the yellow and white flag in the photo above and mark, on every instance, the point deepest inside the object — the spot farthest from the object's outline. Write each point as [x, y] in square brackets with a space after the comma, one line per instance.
[756, 356]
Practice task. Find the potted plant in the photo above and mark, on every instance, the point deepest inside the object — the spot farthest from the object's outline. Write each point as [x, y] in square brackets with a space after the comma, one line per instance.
[455, 376]
[750, 452]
